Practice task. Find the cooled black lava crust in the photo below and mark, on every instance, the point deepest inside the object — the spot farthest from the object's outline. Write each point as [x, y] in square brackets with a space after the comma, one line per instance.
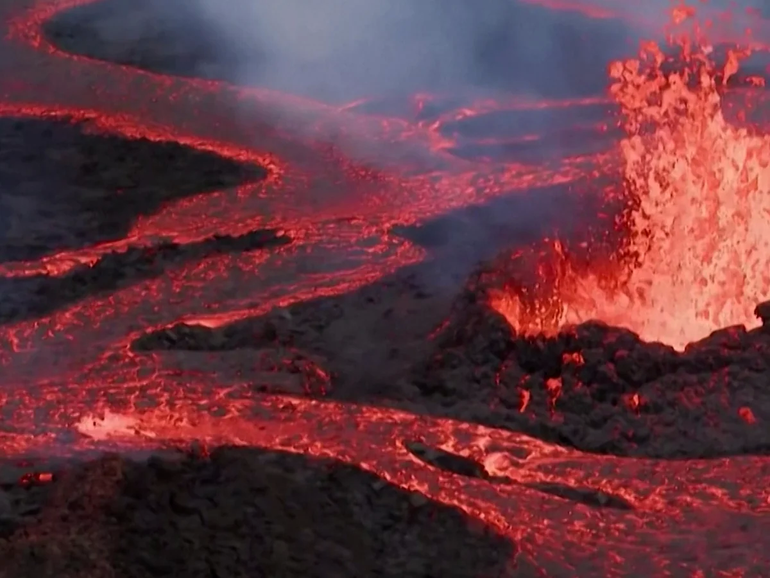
[171, 38]
[241, 512]
[63, 189]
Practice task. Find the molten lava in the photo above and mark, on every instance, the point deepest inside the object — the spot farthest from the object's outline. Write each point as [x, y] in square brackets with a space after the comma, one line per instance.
[689, 255]
[696, 252]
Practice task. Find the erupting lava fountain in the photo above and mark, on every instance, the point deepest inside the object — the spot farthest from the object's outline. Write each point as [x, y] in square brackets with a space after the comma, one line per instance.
[695, 250]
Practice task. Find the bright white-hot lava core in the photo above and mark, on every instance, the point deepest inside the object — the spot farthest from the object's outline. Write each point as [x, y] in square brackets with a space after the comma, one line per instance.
[695, 255]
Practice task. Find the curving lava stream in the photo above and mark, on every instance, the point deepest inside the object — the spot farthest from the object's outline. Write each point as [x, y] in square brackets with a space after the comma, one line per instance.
[71, 384]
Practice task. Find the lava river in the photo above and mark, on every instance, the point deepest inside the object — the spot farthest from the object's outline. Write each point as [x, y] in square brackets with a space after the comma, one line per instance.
[71, 383]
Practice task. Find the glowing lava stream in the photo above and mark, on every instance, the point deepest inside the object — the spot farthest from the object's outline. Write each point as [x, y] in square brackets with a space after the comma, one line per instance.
[76, 362]
[689, 501]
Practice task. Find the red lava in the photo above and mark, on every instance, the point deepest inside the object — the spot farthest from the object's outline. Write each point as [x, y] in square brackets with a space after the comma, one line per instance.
[697, 252]
[71, 384]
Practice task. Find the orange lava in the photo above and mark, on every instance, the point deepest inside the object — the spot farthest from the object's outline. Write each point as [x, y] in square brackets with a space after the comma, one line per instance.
[71, 383]
[697, 256]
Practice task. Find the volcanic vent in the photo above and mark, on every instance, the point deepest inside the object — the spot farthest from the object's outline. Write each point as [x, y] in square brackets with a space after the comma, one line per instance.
[694, 250]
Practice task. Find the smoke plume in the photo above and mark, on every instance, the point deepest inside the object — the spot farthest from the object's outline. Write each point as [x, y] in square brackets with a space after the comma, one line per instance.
[345, 49]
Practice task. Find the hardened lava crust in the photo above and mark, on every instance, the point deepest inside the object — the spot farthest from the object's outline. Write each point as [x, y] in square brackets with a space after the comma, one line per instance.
[602, 389]
[236, 512]
[65, 189]
[170, 38]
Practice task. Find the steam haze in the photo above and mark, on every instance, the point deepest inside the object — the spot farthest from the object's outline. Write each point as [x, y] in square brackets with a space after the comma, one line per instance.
[340, 50]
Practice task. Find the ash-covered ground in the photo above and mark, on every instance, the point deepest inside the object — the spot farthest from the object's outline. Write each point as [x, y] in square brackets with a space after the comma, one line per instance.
[402, 341]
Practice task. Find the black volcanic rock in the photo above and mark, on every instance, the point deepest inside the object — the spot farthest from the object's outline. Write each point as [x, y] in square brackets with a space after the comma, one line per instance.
[63, 188]
[243, 512]
[602, 389]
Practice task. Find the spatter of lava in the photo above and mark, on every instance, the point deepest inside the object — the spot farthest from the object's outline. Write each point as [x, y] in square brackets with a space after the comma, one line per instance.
[695, 255]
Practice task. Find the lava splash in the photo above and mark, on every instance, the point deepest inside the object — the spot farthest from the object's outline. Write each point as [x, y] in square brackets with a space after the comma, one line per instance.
[694, 253]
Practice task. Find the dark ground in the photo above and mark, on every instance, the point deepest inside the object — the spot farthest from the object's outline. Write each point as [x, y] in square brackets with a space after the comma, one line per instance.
[691, 404]
[247, 512]
[239, 512]
[65, 189]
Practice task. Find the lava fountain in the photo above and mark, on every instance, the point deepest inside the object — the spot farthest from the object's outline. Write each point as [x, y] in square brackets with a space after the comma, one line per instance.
[695, 250]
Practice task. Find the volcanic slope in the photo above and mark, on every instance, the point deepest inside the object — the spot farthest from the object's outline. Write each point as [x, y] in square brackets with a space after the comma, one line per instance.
[596, 388]
[237, 512]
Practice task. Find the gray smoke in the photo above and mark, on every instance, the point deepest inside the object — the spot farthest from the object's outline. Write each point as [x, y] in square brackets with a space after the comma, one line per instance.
[346, 49]
[341, 50]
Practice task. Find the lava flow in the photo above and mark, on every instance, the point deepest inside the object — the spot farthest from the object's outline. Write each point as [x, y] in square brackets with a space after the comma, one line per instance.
[687, 256]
